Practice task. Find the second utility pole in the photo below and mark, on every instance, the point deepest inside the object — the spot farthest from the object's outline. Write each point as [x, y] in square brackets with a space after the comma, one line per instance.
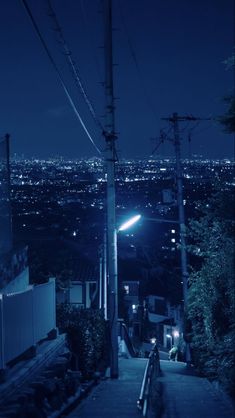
[179, 181]
[175, 119]
[110, 138]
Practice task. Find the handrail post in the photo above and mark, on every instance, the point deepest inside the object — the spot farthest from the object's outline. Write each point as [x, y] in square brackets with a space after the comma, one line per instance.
[151, 372]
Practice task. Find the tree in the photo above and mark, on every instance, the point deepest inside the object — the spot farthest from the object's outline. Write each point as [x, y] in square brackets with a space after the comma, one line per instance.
[211, 301]
[228, 119]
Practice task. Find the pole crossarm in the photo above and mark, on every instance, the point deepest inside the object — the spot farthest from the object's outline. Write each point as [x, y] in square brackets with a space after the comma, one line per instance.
[178, 118]
[171, 221]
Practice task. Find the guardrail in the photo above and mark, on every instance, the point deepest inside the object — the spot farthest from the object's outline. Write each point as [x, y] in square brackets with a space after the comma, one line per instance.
[126, 338]
[151, 372]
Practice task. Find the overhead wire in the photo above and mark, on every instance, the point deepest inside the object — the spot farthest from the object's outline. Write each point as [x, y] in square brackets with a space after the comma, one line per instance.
[73, 66]
[163, 137]
[91, 39]
[201, 130]
[36, 28]
[195, 132]
[133, 55]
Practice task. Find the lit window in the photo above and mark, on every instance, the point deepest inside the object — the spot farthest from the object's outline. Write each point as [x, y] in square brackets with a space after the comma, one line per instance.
[172, 239]
[173, 231]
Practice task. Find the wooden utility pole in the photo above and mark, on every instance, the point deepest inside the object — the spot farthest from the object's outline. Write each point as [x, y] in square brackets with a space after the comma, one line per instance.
[175, 119]
[110, 139]
[6, 215]
[180, 201]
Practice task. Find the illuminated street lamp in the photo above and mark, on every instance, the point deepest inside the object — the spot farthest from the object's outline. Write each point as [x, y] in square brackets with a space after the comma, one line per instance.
[129, 223]
[103, 265]
[113, 301]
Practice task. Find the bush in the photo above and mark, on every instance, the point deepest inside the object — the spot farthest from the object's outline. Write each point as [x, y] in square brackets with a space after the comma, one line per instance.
[86, 337]
[211, 300]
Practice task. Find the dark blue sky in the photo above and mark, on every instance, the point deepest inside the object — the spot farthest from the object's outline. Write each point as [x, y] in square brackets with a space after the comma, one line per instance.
[170, 59]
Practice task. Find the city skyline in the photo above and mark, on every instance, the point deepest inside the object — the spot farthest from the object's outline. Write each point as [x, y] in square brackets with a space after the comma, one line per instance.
[166, 63]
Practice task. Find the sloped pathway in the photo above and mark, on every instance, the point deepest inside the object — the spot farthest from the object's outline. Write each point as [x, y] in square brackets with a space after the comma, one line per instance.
[185, 395]
[115, 398]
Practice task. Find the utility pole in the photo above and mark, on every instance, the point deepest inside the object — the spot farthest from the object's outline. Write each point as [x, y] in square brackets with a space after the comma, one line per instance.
[6, 215]
[110, 138]
[175, 119]
[103, 285]
[105, 282]
[180, 201]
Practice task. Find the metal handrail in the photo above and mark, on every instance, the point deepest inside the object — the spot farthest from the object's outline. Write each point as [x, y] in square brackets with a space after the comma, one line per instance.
[151, 368]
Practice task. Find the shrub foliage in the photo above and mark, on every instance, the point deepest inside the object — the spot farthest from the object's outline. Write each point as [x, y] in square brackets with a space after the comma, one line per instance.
[211, 301]
[86, 337]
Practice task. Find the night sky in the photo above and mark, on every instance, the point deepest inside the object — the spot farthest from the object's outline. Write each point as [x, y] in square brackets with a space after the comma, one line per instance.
[169, 58]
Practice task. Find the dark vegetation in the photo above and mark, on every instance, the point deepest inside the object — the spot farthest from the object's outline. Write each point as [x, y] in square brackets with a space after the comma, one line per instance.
[86, 338]
[211, 301]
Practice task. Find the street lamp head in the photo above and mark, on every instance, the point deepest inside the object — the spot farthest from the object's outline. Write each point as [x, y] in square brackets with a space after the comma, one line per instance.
[129, 223]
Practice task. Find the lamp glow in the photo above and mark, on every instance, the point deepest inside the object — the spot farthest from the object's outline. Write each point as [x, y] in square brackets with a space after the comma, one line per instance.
[129, 223]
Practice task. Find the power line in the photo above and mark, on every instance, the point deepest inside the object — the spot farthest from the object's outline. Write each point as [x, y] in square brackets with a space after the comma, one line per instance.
[58, 73]
[72, 65]
[133, 55]
[161, 139]
[91, 38]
